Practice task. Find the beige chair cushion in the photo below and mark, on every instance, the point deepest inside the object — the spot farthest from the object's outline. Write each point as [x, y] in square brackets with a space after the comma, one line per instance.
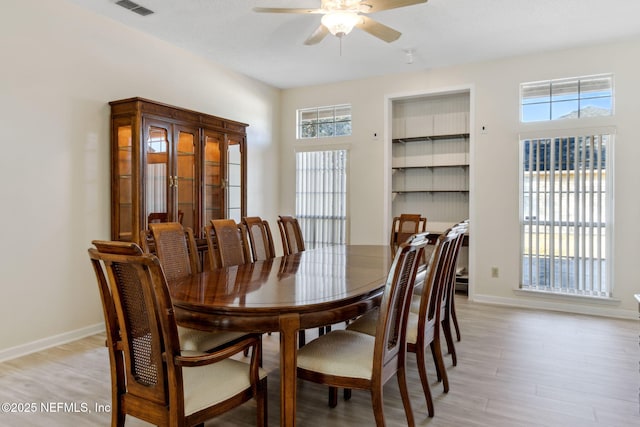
[210, 384]
[342, 353]
[366, 324]
[195, 340]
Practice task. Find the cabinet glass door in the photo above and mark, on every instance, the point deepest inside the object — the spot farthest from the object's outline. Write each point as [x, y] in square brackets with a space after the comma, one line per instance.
[234, 180]
[185, 179]
[124, 199]
[213, 190]
[157, 178]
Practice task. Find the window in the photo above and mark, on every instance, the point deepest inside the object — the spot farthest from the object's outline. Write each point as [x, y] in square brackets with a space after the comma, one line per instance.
[567, 98]
[566, 201]
[321, 196]
[324, 122]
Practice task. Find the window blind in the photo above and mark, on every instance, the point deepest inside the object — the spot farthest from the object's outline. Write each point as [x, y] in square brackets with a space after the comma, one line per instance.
[321, 196]
[565, 206]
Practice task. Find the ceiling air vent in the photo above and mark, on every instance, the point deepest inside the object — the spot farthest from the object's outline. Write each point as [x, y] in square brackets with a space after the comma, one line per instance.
[134, 7]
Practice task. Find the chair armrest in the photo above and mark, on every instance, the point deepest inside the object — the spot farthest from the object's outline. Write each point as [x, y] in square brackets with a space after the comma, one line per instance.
[201, 359]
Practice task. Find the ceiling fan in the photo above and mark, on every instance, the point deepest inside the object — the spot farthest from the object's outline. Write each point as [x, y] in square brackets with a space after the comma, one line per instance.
[340, 16]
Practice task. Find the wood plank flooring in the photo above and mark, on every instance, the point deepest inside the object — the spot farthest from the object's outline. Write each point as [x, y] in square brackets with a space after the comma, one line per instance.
[516, 367]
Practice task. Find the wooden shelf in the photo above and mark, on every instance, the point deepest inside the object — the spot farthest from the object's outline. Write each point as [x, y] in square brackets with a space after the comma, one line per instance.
[429, 138]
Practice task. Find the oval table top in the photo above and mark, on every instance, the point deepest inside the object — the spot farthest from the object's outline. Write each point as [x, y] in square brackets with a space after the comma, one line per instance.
[311, 280]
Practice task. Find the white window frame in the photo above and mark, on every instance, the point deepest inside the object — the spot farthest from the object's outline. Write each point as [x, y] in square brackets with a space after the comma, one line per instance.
[327, 117]
[579, 94]
[561, 284]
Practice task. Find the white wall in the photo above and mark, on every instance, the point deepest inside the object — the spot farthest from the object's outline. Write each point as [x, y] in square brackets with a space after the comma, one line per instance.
[494, 161]
[61, 65]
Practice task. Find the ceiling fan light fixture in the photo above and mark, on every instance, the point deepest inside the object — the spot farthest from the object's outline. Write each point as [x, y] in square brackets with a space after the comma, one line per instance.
[340, 22]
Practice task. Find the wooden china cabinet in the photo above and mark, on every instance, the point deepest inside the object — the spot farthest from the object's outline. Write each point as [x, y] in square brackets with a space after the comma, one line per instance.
[172, 164]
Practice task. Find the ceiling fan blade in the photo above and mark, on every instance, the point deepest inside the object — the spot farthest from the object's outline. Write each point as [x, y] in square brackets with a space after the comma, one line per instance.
[317, 36]
[378, 30]
[286, 10]
[371, 6]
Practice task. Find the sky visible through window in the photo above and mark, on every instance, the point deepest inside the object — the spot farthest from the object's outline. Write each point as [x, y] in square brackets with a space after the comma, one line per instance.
[567, 98]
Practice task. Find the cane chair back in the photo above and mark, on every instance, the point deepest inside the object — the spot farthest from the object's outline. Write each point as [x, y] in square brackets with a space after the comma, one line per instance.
[176, 248]
[404, 226]
[230, 246]
[291, 234]
[350, 359]
[151, 378]
[260, 238]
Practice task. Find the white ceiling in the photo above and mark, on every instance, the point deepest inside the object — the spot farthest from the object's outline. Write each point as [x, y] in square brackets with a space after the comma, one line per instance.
[269, 47]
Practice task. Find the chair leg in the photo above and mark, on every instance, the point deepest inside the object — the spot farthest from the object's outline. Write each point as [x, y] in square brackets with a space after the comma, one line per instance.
[333, 397]
[404, 392]
[347, 393]
[302, 338]
[261, 400]
[422, 370]
[378, 408]
[446, 328]
[436, 351]
[454, 317]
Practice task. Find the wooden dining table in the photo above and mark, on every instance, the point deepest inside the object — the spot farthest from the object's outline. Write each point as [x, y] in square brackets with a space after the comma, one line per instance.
[285, 294]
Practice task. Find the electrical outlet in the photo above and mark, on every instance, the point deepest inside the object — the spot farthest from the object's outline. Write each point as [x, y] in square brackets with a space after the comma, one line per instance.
[494, 272]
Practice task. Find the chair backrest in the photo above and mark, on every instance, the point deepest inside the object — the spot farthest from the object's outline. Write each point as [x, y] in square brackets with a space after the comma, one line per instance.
[230, 243]
[134, 291]
[260, 238]
[404, 226]
[434, 285]
[291, 234]
[394, 307]
[176, 248]
[155, 217]
[457, 232]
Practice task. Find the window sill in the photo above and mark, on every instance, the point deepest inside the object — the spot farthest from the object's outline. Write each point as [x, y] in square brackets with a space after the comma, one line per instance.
[567, 297]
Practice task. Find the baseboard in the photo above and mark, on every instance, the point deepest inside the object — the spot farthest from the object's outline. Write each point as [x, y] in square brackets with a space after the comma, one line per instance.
[544, 302]
[45, 343]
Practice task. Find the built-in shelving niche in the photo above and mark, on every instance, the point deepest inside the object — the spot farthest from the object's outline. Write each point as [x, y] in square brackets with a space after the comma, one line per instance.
[430, 160]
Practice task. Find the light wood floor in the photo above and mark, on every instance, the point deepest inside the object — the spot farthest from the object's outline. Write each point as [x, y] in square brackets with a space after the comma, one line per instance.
[516, 367]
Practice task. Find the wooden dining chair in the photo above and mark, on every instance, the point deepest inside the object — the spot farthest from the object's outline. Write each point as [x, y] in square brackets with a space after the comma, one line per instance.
[404, 226]
[260, 238]
[175, 247]
[152, 378]
[448, 309]
[350, 359]
[291, 234]
[423, 325]
[227, 240]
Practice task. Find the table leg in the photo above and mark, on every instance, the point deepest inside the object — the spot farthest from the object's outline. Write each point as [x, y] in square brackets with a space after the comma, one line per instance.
[289, 325]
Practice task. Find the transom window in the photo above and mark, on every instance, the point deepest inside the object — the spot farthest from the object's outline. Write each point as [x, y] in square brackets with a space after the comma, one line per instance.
[324, 122]
[570, 98]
